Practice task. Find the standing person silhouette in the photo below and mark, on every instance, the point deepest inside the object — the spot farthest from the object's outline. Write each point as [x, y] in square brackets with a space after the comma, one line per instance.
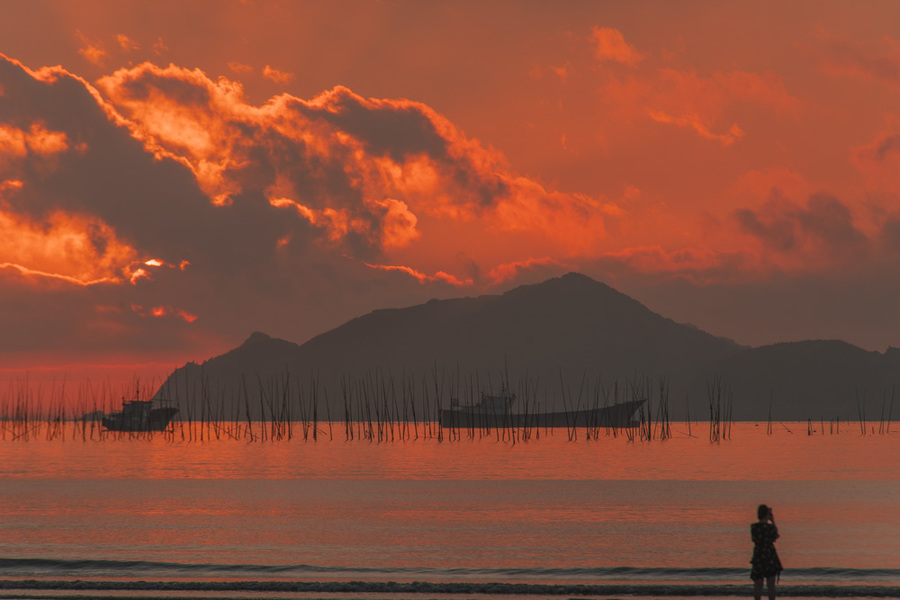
[765, 562]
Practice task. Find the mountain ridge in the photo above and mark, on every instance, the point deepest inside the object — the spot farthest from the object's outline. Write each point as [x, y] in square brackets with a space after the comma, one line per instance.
[559, 333]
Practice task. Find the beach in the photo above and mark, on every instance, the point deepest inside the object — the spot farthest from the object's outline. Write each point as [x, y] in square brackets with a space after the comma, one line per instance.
[554, 518]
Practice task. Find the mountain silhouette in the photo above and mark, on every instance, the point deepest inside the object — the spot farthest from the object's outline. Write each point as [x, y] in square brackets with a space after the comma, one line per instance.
[570, 337]
[572, 322]
[813, 379]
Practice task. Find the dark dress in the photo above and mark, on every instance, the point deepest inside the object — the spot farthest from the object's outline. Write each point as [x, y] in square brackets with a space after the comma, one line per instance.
[765, 560]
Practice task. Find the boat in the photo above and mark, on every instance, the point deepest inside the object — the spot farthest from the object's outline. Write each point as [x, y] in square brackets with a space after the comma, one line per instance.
[140, 416]
[495, 411]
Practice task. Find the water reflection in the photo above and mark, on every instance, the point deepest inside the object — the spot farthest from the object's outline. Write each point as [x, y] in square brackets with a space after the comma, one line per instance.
[750, 455]
[550, 503]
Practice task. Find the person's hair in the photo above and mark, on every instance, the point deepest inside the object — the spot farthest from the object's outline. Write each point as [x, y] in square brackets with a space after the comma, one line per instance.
[762, 512]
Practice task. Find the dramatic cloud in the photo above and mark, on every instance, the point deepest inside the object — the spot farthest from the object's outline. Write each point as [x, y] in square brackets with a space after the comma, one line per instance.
[363, 172]
[73, 248]
[164, 192]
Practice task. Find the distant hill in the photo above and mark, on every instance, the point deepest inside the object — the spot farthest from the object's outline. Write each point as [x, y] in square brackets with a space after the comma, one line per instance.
[812, 379]
[569, 333]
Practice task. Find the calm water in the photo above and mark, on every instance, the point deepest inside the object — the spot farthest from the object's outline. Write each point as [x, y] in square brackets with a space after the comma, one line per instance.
[545, 511]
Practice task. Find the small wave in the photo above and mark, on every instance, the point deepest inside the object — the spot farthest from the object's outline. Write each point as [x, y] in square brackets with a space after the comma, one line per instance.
[712, 578]
[421, 588]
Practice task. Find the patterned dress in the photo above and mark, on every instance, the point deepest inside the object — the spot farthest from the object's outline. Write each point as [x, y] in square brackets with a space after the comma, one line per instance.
[765, 561]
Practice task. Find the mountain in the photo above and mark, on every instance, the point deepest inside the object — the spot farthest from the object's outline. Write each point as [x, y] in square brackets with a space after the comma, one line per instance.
[813, 379]
[572, 322]
[572, 339]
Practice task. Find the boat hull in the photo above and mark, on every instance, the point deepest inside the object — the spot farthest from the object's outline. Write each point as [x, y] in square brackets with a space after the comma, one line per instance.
[158, 419]
[615, 416]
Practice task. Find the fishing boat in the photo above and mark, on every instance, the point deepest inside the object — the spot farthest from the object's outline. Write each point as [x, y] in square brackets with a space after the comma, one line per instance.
[140, 415]
[495, 411]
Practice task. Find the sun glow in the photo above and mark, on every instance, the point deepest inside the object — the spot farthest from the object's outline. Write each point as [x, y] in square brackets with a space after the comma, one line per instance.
[163, 311]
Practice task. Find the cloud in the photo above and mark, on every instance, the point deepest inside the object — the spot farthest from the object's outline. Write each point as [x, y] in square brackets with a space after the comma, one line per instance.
[56, 324]
[685, 99]
[879, 163]
[76, 248]
[778, 235]
[126, 43]
[822, 232]
[544, 268]
[92, 50]
[88, 207]
[887, 145]
[364, 172]
[693, 122]
[276, 75]
[760, 184]
[159, 47]
[162, 206]
[167, 212]
[610, 45]
[439, 276]
[239, 68]
[841, 55]
[700, 103]
[698, 265]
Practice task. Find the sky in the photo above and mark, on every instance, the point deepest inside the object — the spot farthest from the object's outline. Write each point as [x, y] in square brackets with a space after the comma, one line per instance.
[177, 175]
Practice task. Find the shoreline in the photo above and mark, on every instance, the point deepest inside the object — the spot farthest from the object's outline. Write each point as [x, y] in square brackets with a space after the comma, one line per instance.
[76, 588]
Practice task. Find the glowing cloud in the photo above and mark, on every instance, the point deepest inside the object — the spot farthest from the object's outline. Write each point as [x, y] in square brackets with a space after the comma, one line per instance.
[610, 45]
[80, 249]
[511, 271]
[93, 51]
[17, 143]
[126, 43]
[422, 277]
[163, 311]
[239, 68]
[276, 75]
[693, 122]
[365, 172]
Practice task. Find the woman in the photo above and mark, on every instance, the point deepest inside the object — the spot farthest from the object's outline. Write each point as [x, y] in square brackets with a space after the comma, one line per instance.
[765, 562]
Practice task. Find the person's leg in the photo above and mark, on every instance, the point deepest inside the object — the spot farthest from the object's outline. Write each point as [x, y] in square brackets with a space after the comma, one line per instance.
[757, 588]
[770, 586]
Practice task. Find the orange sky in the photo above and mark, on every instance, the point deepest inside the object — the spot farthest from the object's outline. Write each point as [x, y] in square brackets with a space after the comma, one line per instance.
[175, 176]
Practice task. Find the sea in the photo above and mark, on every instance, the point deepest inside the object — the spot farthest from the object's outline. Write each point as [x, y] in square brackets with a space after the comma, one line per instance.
[555, 515]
